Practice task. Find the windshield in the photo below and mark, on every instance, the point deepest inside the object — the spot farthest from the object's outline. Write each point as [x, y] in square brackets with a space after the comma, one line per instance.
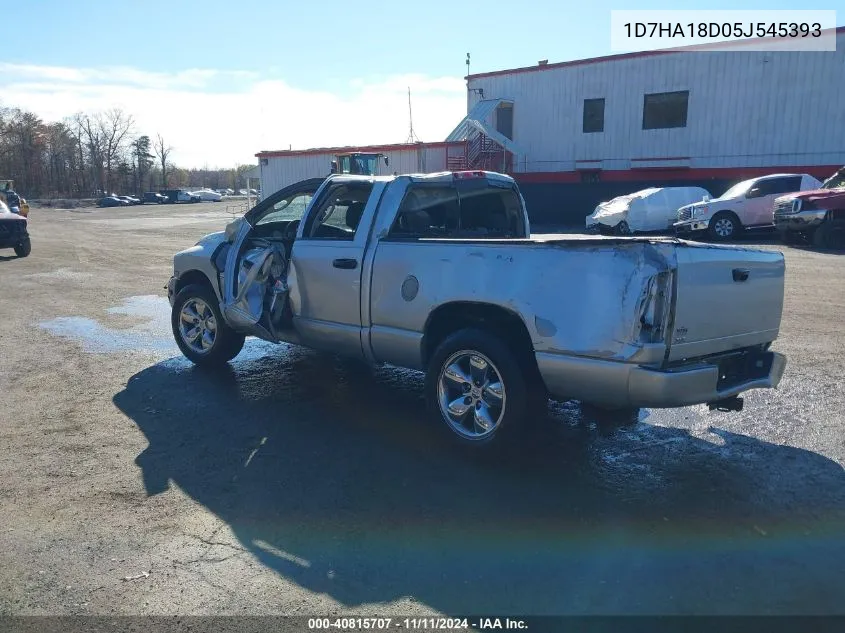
[738, 189]
[361, 164]
[287, 210]
[836, 181]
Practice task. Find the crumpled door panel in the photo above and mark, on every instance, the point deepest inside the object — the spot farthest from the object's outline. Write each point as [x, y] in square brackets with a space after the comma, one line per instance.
[261, 298]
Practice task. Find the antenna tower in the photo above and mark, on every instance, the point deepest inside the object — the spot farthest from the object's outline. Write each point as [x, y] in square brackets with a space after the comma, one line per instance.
[412, 138]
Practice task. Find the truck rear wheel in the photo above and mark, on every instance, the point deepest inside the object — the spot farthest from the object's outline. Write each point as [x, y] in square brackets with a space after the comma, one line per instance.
[200, 330]
[475, 386]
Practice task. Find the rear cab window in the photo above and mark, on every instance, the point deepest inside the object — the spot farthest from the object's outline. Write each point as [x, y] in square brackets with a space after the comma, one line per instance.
[774, 186]
[465, 209]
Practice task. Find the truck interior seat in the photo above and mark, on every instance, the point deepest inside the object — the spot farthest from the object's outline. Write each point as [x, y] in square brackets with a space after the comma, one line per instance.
[353, 214]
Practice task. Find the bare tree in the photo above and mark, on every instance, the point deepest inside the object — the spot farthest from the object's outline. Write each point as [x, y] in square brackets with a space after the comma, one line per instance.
[93, 139]
[90, 154]
[115, 127]
[162, 151]
[81, 181]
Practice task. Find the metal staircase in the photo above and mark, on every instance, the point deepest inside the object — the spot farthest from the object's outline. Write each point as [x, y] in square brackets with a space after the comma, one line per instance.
[486, 148]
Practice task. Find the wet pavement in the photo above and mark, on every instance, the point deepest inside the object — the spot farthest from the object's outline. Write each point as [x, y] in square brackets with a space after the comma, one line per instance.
[299, 482]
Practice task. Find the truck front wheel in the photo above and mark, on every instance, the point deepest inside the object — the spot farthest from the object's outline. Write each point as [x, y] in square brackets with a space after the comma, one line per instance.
[199, 329]
[724, 226]
[24, 248]
[475, 386]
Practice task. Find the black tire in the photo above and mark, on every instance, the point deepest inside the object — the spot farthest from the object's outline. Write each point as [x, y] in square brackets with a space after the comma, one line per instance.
[830, 235]
[227, 343]
[622, 229]
[24, 248]
[722, 219]
[519, 402]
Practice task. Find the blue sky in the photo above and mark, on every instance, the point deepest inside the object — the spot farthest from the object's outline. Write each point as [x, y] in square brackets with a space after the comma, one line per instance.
[264, 66]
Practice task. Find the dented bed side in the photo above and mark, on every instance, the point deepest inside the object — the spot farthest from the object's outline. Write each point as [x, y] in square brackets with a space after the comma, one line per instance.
[620, 322]
[583, 300]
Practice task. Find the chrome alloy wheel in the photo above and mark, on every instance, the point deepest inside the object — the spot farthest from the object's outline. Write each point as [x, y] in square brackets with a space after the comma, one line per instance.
[471, 395]
[724, 227]
[197, 325]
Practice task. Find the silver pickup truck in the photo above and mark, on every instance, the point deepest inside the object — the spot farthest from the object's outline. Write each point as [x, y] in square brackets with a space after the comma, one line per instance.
[440, 273]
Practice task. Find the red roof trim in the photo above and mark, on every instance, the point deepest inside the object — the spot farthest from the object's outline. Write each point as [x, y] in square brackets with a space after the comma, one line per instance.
[398, 147]
[621, 56]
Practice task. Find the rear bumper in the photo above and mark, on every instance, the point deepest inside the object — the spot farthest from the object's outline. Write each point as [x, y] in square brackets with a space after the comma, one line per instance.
[801, 221]
[620, 384]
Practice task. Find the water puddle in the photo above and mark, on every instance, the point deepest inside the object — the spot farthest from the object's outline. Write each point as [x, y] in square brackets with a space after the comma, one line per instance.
[151, 335]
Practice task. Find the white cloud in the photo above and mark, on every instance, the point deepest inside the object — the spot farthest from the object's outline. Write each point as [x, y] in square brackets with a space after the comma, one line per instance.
[219, 118]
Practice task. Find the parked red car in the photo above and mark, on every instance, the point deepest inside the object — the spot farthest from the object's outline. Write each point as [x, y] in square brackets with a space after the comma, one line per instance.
[818, 215]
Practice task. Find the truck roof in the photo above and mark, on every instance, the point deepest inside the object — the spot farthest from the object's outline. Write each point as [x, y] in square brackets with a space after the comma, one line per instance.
[442, 176]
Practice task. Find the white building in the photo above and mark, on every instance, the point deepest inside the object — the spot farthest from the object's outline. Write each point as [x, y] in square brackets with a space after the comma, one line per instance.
[587, 130]
[281, 168]
[579, 132]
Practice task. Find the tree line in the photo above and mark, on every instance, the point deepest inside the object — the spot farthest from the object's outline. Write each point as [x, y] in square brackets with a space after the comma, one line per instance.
[92, 154]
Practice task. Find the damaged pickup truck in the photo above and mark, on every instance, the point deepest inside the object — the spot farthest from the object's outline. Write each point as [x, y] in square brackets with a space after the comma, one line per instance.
[440, 273]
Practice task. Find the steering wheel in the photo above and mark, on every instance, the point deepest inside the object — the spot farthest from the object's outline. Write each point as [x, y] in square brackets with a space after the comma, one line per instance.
[289, 233]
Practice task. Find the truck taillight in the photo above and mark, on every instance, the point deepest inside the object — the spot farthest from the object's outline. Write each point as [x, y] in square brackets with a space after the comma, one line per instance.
[466, 175]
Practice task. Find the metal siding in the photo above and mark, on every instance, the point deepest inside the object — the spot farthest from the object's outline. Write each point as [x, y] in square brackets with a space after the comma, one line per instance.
[745, 109]
[281, 171]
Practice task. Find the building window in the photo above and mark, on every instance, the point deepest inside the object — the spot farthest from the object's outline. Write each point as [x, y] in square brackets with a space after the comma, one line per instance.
[504, 120]
[665, 110]
[593, 115]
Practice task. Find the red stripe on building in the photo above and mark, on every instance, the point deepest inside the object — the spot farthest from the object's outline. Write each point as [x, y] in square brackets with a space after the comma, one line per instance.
[663, 173]
[634, 160]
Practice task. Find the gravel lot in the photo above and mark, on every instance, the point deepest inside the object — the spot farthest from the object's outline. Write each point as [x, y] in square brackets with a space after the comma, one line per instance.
[296, 483]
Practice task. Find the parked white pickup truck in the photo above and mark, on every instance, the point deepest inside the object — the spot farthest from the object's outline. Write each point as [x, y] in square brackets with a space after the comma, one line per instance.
[440, 273]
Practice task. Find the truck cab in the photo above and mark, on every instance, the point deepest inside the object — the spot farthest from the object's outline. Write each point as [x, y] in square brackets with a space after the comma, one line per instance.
[22, 206]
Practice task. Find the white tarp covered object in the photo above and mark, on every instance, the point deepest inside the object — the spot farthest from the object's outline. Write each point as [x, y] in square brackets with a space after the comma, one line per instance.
[654, 209]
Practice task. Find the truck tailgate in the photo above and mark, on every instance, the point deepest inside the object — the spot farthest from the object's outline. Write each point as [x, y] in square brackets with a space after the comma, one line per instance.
[727, 298]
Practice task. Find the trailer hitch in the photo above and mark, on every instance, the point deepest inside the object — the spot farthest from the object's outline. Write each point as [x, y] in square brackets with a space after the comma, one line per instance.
[728, 404]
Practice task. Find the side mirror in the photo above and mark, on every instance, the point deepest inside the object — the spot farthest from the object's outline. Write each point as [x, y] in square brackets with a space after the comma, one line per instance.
[753, 193]
[386, 161]
[706, 198]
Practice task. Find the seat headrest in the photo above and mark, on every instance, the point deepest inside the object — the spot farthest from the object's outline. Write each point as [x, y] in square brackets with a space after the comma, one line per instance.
[353, 214]
[417, 221]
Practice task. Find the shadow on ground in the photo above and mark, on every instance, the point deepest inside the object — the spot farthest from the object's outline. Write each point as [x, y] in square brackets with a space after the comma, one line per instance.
[333, 477]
